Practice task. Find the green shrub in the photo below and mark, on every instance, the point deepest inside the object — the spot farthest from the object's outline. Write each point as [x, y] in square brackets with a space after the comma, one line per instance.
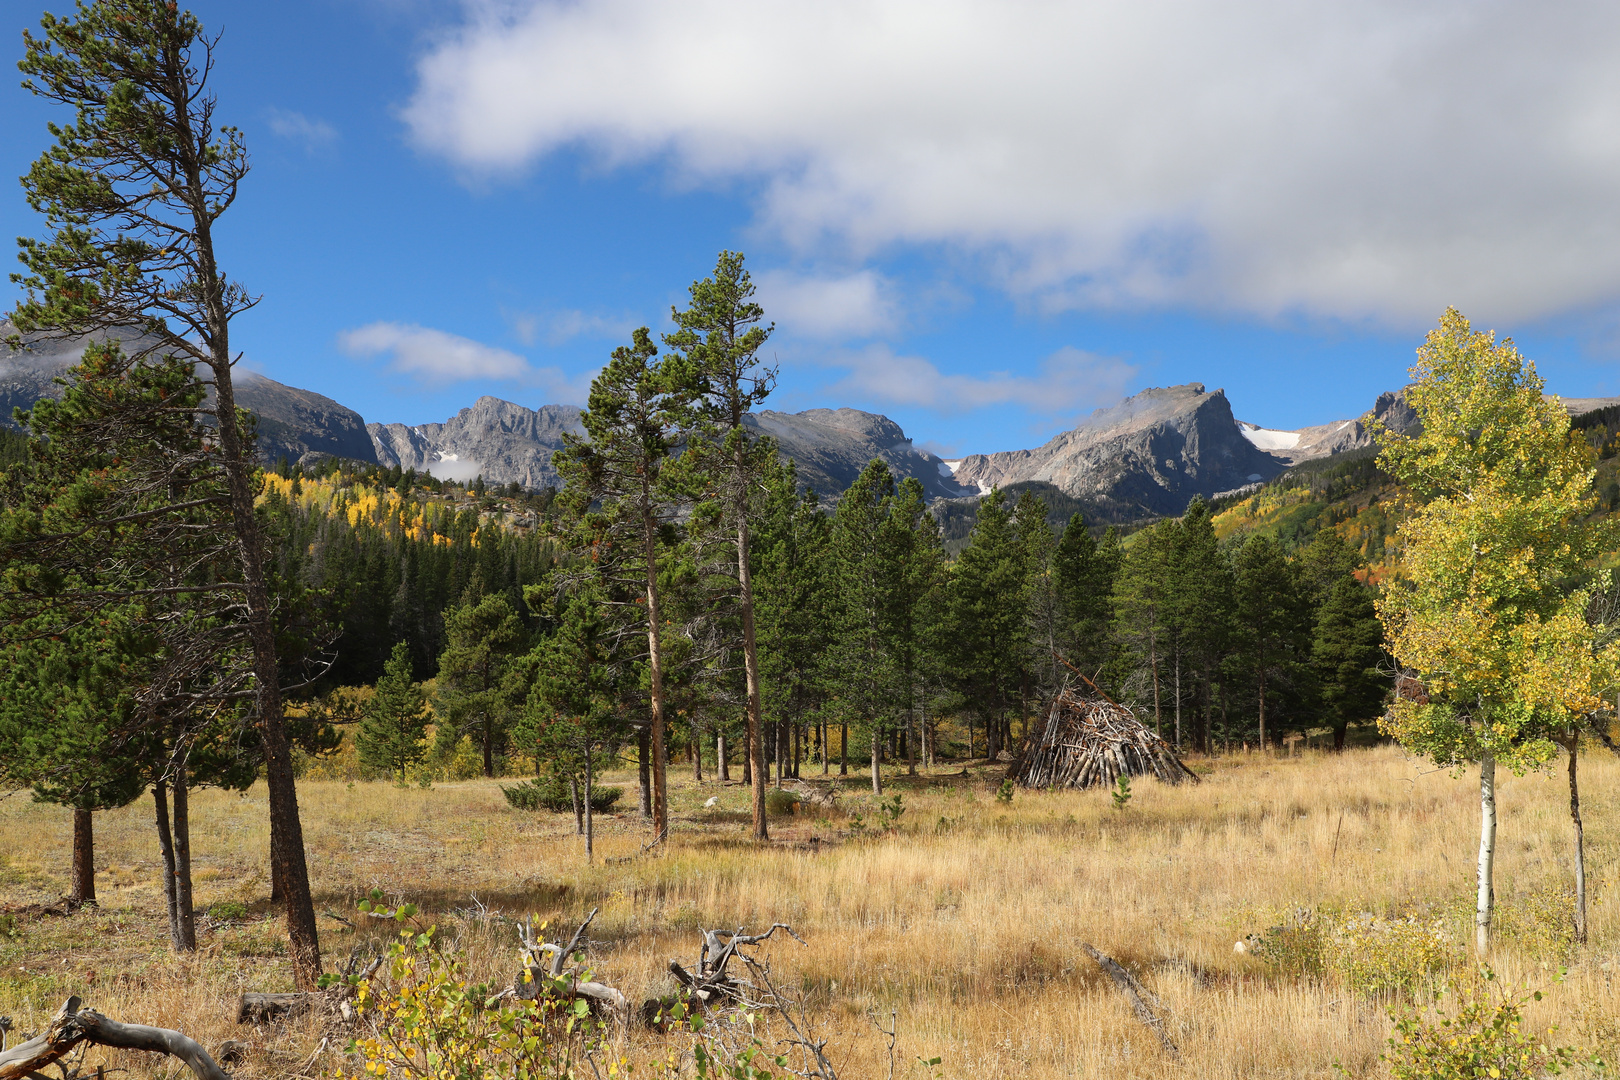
[550, 793]
[228, 911]
[1484, 1038]
[780, 802]
[1370, 954]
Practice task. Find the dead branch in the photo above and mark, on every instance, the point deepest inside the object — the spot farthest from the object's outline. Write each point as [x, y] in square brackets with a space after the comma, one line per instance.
[1138, 996]
[541, 977]
[72, 1026]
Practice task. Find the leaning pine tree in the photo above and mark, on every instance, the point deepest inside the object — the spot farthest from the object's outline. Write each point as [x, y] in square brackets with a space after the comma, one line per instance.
[1488, 618]
[131, 191]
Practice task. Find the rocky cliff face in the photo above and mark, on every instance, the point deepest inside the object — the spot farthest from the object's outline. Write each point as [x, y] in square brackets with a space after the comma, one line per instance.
[1340, 436]
[498, 440]
[295, 424]
[504, 442]
[832, 446]
[1150, 454]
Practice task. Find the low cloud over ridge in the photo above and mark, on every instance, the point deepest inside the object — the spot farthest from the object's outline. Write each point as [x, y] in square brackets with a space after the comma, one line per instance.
[436, 358]
[1369, 160]
[1070, 382]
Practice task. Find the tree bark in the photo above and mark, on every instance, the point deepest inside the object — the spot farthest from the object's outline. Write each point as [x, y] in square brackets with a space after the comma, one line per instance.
[843, 749]
[644, 769]
[185, 912]
[590, 833]
[160, 802]
[1580, 840]
[877, 772]
[655, 672]
[722, 757]
[82, 891]
[756, 733]
[1486, 899]
[697, 753]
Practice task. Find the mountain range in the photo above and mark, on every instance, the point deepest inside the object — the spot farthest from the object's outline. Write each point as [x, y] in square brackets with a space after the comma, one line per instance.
[1147, 456]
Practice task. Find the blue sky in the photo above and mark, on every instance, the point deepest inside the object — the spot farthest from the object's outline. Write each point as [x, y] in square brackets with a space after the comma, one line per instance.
[983, 220]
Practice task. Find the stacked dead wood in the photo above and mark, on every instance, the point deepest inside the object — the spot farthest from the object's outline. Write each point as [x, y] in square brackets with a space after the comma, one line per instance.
[1088, 739]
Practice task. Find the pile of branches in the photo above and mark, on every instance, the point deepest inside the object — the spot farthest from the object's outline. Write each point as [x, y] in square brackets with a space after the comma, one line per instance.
[1090, 739]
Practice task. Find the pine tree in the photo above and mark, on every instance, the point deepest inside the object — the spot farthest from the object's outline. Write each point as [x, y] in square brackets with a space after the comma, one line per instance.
[393, 724]
[131, 192]
[988, 618]
[1083, 574]
[1345, 655]
[1199, 615]
[1272, 626]
[476, 690]
[616, 493]
[794, 595]
[1141, 604]
[716, 344]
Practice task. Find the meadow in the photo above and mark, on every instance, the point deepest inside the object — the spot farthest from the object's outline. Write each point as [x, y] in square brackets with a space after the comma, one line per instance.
[961, 926]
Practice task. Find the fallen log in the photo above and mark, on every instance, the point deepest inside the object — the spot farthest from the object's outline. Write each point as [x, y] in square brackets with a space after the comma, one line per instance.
[72, 1025]
[259, 1008]
[1137, 995]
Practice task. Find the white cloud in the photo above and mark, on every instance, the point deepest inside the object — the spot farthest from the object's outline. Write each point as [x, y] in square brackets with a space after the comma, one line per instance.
[435, 357]
[559, 327]
[312, 134]
[1376, 159]
[1070, 381]
[856, 305]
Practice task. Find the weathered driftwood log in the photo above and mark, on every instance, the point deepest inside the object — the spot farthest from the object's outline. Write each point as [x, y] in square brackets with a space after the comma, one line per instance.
[710, 981]
[545, 976]
[1137, 995]
[263, 1008]
[72, 1025]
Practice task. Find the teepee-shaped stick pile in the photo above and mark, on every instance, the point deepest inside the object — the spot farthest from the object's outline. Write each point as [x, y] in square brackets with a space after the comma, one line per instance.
[1088, 739]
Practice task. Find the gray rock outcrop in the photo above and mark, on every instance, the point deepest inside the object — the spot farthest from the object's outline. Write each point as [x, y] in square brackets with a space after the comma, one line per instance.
[295, 424]
[1150, 454]
[498, 440]
[832, 446]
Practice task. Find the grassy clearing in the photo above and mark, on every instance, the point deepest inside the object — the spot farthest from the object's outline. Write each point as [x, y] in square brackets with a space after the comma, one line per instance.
[965, 922]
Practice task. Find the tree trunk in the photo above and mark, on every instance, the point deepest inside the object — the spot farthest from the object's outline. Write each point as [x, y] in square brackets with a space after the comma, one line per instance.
[644, 769]
[877, 772]
[747, 762]
[579, 811]
[756, 733]
[590, 834]
[824, 734]
[489, 747]
[240, 470]
[1580, 841]
[722, 756]
[911, 744]
[82, 891]
[798, 747]
[697, 753]
[185, 911]
[1178, 697]
[160, 802]
[1262, 689]
[655, 672]
[1153, 668]
[843, 749]
[1486, 899]
[992, 738]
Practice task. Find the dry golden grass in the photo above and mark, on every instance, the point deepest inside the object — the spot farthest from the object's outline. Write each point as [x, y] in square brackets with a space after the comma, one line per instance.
[965, 924]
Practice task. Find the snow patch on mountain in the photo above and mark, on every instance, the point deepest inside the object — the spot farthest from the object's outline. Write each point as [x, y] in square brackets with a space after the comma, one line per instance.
[1268, 438]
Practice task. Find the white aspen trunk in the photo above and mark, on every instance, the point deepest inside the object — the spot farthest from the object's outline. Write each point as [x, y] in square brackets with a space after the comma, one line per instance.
[1487, 853]
[877, 775]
